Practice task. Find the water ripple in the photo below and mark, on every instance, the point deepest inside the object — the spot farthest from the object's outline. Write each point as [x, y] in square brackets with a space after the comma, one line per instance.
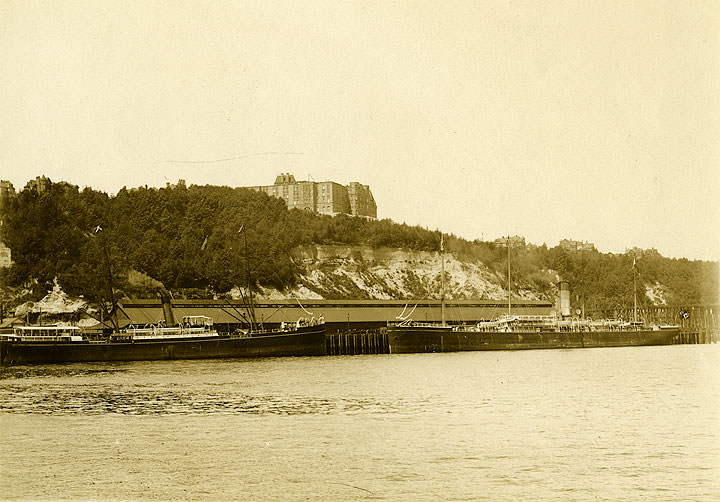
[143, 400]
[54, 371]
[636, 425]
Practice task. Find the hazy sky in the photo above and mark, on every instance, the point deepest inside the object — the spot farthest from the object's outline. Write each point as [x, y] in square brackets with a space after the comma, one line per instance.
[585, 120]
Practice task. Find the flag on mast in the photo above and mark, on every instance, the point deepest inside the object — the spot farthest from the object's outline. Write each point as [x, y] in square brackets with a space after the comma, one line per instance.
[441, 243]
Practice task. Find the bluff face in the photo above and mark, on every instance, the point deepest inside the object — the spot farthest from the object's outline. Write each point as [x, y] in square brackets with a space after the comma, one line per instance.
[341, 271]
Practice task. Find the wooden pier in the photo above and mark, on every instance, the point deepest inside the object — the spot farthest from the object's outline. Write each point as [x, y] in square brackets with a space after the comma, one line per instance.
[356, 342]
[694, 337]
[698, 323]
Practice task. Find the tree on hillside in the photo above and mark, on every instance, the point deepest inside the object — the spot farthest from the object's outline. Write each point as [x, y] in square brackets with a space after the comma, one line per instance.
[186, 239]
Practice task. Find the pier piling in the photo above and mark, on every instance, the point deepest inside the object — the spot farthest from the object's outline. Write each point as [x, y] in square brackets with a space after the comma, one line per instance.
[357, 342]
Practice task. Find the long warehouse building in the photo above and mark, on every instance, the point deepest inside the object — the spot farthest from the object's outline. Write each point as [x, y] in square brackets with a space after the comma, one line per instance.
[339, 315]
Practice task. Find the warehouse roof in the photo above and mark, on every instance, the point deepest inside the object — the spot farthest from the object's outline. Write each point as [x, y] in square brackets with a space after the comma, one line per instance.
[148, 311]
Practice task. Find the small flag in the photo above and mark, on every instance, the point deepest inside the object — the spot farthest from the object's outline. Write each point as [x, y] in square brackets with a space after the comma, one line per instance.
[442, 248]
[241, 229]
[204, 244]
[98, 229]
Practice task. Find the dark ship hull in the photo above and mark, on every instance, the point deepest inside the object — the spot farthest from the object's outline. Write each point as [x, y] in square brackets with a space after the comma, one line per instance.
[306, 341]
[413, 339]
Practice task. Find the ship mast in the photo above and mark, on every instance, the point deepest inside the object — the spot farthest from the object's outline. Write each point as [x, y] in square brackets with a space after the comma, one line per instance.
[508, 260]
[247, 268]
[634, 268]
[442, 281]
[106, 254]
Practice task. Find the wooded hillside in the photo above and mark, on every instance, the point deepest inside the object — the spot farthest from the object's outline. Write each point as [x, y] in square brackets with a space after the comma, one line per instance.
[186, 239]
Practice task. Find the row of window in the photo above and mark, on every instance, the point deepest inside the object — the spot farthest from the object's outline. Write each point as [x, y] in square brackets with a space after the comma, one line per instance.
[343, 305]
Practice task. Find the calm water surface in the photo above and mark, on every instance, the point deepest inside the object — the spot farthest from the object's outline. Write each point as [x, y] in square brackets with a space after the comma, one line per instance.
[636, 423]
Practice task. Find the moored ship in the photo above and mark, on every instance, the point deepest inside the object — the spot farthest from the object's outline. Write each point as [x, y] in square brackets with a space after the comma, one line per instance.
[522, 332]
[526, 332]
[194, 338]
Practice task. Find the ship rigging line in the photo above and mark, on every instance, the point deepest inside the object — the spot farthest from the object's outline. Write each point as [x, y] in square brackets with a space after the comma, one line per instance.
[241, 317]
[304, 310]
[236, 310]
[272, 314]
[409, 313]
[403, 312]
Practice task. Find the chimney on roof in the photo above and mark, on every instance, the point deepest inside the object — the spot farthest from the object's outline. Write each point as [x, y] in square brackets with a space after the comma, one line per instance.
[284, 179]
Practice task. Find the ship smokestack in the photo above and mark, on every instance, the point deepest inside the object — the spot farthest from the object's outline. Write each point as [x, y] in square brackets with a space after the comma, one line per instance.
[167, 309]
[564, 288]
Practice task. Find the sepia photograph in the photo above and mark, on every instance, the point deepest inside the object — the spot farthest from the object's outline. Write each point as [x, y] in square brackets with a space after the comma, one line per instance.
[344, 250]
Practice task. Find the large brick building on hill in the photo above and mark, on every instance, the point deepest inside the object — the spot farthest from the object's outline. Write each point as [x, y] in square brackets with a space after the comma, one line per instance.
[324, 197]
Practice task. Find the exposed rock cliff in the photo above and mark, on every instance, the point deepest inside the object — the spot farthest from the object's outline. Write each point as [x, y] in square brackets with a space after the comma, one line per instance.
[56, 302]
[357, 272]
[364, 272]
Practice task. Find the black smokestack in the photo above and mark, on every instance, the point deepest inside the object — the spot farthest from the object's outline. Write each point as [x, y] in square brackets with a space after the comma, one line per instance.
[167, 309]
